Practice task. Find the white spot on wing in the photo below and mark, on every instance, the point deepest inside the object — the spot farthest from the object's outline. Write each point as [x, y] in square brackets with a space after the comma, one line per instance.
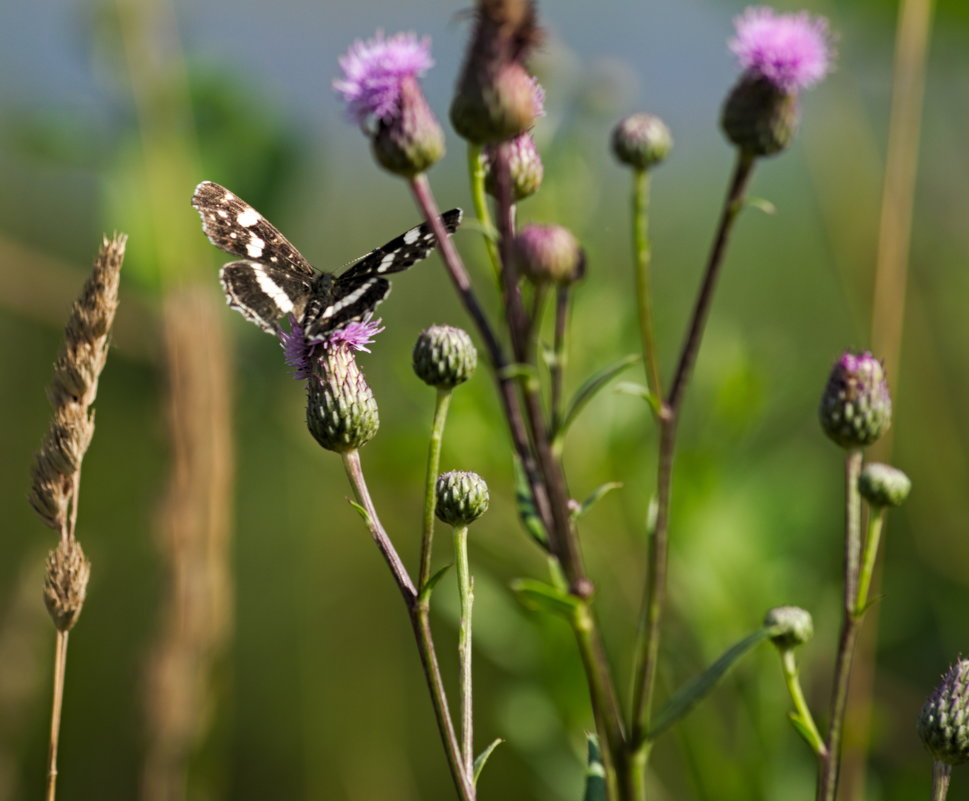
[274, 292]
[411, 236]
[248, 218]
[255, 246]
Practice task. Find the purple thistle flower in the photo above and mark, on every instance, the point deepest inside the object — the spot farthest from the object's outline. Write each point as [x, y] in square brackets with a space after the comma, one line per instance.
[302, 354]
[791, 51]
[373, 71]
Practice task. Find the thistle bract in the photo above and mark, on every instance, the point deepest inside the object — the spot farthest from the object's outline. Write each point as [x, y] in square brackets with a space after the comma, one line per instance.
[444, 356]
[789, 626]
[525, 166]
[462, 497]
[548, 253]
[883, 485]
[856, 408]
[641, 140]
[943, 724]
[341, 412]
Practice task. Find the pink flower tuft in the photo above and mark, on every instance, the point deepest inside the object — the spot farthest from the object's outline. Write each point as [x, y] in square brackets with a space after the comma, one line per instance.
[373, 71]
[792, 51]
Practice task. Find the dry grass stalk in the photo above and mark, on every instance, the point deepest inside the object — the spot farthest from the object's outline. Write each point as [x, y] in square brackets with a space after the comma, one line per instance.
[56, 473]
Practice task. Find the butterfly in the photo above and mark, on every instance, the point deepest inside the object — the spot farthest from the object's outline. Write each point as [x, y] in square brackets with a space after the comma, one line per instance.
[272, 279]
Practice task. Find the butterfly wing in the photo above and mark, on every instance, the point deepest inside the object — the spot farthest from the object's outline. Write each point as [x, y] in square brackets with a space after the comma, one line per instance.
[234, 226]
[263, 293]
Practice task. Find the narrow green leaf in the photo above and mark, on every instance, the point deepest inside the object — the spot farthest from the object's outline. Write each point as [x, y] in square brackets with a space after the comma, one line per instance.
[595, 496]
[517, 370]
[432, 582]
[360, 511]
[527, 511]
[761, 204]
[595, 771]
[479, 763]
[541, 597]
[639, 391]
[588, 390]
[690, 694]
[801, 728]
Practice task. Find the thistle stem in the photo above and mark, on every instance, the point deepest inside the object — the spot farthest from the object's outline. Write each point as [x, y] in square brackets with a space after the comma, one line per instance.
[802, 712]
[476, 174]
[830, 762]
[556, 371]
[466, 598]
[941, 773]
[644, 295]
[654, 600]
[419, 614]
[876, 523]
[441, 405]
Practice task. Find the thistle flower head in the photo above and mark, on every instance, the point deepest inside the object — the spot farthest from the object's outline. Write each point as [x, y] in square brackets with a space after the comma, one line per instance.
[791, 51]
[789, 626]
[943, 725]
[462, 497]
[525, 166]
[856, 408]
[341, 411]
[883, 485]
[641, 140]
[444, 356]
[302, 353]
[375, 69]
[548, 253]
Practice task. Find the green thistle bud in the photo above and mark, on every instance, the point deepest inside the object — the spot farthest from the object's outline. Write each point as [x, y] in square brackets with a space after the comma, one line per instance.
[494, 107]
[759, 117]
[65, 584]
[462, 497]
[525, 166]
[411, 141]
[444, 356]
[641, 140]
[548, 253]
[943, 725]
[341, 412]
[790, 626]
[856, 408]
[883, 485]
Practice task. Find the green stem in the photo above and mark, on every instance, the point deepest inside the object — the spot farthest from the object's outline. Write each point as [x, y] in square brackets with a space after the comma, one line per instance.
[802, 712]
[441, 405]
[644, 301]
[941, 772]
[654, 596]
[830, 762]
[556, 371]
[419, 615]
[476, 174]
[876, 522]
[466, 596]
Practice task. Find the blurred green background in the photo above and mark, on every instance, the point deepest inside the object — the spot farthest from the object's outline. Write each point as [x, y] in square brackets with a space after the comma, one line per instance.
[306, 681]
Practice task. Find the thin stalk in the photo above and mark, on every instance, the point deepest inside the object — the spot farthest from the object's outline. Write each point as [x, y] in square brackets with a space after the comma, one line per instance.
[506, 385]
[466, 599]
[443, 401]
[57, 705]
[644, 294]
[829, 763]
[876, 522]
[419, 615]
[557, 369]
[802, 711]
[476, 174]
[654, 597]
[941, 772]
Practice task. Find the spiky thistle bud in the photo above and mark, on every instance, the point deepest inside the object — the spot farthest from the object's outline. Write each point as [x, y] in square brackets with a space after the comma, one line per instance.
[856, 408]
[548, 254]
[525, 166]
[341, 412]
[943, 724]
[781, 54]
[65, 583]
[790, 626]
[462, 497]
[444, 356]
[411, 141]
[496, 98]
[641, 140]
[883, 485]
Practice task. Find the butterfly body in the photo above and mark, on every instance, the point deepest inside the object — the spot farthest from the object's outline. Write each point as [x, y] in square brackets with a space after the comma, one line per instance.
[272, 279]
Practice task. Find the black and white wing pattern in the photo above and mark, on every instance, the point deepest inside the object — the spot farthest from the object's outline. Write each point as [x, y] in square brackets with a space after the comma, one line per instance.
[272, 279]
